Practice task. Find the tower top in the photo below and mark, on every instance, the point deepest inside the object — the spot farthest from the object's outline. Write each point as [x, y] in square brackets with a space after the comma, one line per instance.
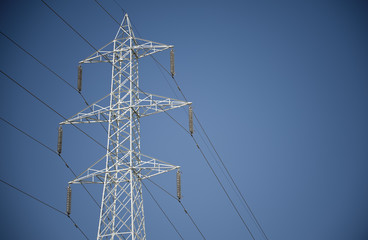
[126, 41]
[125, 30]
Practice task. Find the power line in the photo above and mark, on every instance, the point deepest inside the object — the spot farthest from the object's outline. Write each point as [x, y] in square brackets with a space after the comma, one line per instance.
[181, 204]
[97, 51]
[183, 126]
[49, 69]
[114, 19]
[218, 164]
[159, 65]
[232, 179]
[167, 217]
[53, 151]
[70, 26]
[107, 12]
[48, 106]
[79, 34]
[122, 9]
[223, 188]
[213, 147]
[31, 196]
[59, 115]
[146, 94]
[191, 219]
[178, 87]
[223, 164]
[163, 189]
[45, 204]
[43, 102]
[34, 139]
[75, 224]
[12, 79]
[44, 65]
[163, 67]
[40, 100]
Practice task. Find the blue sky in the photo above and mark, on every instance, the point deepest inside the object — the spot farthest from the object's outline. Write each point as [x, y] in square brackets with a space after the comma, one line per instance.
[280, 87]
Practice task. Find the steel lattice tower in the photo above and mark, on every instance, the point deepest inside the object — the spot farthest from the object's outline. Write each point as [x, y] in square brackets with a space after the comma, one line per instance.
[121, 213]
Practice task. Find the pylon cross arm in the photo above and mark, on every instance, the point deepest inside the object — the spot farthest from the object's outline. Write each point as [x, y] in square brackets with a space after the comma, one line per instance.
[140, 49]
[124, 166]
[145, 168]
[145, 48]
[148, 104]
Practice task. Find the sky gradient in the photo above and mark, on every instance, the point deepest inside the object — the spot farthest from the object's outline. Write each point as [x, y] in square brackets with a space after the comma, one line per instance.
[280, 87]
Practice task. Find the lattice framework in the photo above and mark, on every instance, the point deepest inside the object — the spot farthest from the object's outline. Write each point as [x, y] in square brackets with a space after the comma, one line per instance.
[122, 213]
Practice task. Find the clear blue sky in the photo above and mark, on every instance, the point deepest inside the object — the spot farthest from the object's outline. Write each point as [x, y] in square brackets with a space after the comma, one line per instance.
[281, 88]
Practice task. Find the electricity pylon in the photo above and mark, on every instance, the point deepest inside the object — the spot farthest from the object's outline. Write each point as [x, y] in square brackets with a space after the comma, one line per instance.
[121, 213]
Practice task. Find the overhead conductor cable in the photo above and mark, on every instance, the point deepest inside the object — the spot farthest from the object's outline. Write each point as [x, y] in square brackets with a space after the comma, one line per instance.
[60, 140]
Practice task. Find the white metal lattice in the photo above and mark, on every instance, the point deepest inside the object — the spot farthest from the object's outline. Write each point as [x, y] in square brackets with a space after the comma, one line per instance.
[121, 214]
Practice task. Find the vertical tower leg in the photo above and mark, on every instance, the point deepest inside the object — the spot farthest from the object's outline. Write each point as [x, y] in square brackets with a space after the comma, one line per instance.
[121, 213]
